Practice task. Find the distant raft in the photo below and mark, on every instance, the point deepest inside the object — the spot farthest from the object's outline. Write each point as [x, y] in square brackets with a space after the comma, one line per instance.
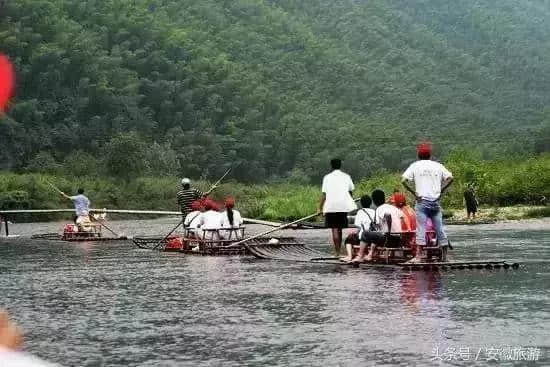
[72, 233]
[218, 242]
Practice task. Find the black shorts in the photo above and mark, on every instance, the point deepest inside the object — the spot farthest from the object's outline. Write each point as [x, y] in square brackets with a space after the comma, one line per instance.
[336, 220]
[379, 238]
[352, 239]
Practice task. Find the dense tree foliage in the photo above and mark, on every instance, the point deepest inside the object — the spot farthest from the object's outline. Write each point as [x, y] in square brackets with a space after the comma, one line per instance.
[272, 87]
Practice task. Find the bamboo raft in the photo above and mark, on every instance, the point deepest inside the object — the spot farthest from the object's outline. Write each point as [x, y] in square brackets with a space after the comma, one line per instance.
[274, 248]
[218, 243]
[78, 237]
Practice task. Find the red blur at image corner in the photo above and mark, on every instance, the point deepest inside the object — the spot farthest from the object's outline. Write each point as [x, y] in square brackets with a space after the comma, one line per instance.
[7, 82]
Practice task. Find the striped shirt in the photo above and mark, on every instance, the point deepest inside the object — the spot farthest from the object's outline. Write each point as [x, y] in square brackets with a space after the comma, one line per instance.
[186, 197]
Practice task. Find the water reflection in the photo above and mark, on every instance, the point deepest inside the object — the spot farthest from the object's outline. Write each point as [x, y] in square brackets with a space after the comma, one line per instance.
[420, 288]
[112, 304]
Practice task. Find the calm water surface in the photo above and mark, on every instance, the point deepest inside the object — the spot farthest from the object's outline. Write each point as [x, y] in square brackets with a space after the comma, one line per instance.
[111, 304]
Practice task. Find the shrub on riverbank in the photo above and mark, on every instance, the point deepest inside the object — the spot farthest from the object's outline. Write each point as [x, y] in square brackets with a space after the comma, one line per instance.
[500, 183]
[538, 212]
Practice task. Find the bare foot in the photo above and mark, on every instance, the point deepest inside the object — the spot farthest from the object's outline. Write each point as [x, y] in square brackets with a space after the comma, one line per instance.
[346, 259]
[358, 259]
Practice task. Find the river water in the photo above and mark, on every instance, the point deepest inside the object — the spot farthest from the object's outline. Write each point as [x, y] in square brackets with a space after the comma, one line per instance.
[111, 304]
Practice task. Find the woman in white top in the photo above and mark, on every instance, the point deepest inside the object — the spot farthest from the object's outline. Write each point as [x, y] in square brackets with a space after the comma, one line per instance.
[211, 220]
[231, 218]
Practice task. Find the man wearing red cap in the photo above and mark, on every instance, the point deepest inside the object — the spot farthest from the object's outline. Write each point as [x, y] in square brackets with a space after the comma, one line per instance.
[430, 179]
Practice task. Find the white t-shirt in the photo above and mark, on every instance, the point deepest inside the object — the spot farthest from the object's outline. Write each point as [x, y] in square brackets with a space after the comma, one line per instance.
[337, 186]
[396, 216]
[237, 220]
[193, 220]
[427, 176]
[211, 219]
[363, 219]
[81, 205]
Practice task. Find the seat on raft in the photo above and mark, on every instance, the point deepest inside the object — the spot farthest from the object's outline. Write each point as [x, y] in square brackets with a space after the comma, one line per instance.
[405, 250]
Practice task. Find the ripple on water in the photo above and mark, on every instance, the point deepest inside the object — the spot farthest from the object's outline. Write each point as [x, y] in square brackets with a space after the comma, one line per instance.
[92, 304]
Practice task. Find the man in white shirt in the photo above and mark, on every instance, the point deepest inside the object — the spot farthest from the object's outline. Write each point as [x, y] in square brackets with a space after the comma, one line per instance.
[336, 202]
[431, 179]
[385, 230]
[363, 222]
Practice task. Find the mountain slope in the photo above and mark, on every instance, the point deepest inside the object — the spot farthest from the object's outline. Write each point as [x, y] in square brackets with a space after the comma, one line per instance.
[272, 87]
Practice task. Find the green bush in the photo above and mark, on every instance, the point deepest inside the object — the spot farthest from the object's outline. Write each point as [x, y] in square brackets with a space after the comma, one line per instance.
[14, 200]
[500, 183]
[538, 212]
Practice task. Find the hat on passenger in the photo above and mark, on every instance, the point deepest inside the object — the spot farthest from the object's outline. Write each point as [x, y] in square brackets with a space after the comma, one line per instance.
[196, 205]
[229, 202]
[210, 204]
[399, 199]
[185, 181]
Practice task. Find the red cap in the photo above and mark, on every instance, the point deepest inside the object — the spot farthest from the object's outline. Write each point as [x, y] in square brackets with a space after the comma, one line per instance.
[211, 204]
[424, 150]
[399, 199]
[196, 205]
[229, 202]
[7, 81]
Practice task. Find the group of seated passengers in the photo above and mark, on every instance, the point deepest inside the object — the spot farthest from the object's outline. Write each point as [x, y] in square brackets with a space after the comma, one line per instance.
[208, 218]
[389, 224]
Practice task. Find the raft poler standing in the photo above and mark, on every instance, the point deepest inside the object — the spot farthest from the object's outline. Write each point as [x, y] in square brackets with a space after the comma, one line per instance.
[187, 195]
[336, 202]
[431, 179]
[81, 207]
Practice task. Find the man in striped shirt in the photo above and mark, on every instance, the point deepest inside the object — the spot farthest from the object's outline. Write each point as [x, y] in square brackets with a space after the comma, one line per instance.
[187, 195]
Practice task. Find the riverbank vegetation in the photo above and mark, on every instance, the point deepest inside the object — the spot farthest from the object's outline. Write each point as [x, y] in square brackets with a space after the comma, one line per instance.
[500, 183]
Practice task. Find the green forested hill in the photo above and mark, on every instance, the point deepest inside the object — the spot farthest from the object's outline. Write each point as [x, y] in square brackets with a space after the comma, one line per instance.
[272, 87]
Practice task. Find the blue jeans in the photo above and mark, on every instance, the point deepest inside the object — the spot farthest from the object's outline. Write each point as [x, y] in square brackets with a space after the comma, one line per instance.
[429, 209]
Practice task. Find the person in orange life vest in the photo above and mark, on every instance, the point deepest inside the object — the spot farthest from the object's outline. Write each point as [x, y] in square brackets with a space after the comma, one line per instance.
[409, 217]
